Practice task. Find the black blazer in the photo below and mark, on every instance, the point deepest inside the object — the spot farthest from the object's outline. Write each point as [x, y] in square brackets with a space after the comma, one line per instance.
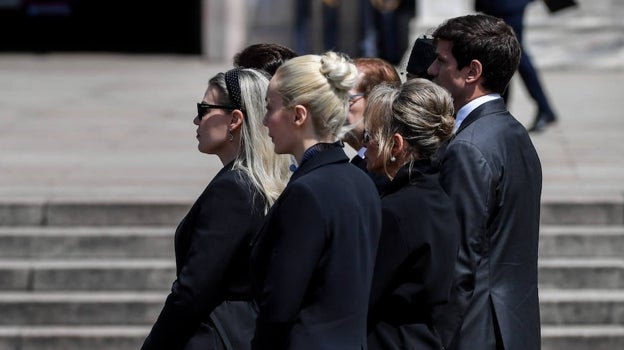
[380, 181]
[312, 262]
[415, 260]
[493, 174]
[212, 266]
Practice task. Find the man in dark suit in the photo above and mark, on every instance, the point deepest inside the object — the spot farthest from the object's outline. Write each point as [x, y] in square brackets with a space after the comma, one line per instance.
[493, 174]
[512, 12]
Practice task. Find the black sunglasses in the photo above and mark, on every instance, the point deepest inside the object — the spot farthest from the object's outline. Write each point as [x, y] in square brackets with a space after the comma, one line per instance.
[203, 107]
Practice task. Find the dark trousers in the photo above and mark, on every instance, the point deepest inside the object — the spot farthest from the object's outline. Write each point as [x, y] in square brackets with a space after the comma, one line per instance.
[526, 69]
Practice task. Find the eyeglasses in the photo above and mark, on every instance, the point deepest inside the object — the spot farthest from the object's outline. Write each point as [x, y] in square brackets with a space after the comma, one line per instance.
[354, 98]
[203, 107]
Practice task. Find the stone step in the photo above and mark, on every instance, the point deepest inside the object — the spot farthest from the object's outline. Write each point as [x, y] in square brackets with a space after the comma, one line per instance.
[68, 242]
[123, 337]
[558, 307]
[583, 337]
[581, 307]
[73, 242]
[581, 241]
[581, 273]
[147, 212]
[94, 275]
[72, 337]
[125, 212]
[158, 274]
[583, 211]
[80, 308]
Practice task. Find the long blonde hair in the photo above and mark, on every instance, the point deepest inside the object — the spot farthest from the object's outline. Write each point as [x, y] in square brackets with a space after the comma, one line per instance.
[266, 171]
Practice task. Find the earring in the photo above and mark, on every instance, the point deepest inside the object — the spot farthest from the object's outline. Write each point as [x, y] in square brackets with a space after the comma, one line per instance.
[231, 135]
[393, 159]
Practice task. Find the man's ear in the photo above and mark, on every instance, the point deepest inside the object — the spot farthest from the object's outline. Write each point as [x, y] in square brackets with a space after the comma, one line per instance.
[237, 120]
[301, 115]
[475, 69]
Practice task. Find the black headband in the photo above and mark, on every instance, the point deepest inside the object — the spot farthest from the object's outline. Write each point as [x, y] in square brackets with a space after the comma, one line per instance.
[233, 87]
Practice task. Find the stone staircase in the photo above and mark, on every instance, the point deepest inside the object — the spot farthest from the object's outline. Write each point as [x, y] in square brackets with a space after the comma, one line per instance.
[95, 275]
[581, 275]
[88, 276]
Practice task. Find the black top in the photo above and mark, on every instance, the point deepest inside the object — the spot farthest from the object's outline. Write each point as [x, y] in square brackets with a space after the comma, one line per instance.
[212, 257]
[312, 262]
[415, 260]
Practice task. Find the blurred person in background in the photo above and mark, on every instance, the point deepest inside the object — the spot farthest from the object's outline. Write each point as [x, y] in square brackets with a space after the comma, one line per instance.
[512, 12]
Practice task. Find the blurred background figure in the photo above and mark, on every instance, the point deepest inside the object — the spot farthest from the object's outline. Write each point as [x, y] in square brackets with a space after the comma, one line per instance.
[392, 18]
[303, 20]
[512, 12]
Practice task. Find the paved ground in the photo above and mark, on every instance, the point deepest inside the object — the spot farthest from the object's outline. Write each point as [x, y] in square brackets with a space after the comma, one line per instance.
[117, 126]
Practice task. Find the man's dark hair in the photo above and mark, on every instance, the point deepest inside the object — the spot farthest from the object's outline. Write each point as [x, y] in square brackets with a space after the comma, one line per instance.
[265, 56]
[487, 39]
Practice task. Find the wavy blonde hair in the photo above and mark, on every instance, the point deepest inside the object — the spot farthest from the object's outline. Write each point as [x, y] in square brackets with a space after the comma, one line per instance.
[321, 83]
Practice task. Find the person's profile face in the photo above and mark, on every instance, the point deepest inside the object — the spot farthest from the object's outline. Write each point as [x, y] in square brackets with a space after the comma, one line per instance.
[355, 115]
[279, 120]
[444, 68]
[212, 129]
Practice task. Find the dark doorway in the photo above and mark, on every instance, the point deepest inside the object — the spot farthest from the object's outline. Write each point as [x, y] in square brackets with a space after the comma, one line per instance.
[132, 26]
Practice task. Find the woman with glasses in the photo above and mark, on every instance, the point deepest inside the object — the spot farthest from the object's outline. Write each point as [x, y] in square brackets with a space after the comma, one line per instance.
[420, 233]
[371, 72]
[210, 306]
[312, 261]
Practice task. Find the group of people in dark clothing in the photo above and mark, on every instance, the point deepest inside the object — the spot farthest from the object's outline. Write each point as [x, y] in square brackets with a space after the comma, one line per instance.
[425, 239]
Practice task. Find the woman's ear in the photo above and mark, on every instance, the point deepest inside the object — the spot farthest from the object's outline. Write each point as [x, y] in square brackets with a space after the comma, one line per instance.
[398, 145]
[301, 115]
[237, 120]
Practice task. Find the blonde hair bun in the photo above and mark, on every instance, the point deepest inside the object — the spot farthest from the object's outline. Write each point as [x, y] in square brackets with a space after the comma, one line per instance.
[339, 70]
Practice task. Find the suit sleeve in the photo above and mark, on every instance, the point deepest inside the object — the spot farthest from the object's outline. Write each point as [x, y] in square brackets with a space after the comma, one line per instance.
[299, 237]
[221, 228]
[468, 179]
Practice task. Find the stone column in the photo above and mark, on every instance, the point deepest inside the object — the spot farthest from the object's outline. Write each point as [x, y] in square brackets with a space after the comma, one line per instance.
[431, 13]
[224, 28]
